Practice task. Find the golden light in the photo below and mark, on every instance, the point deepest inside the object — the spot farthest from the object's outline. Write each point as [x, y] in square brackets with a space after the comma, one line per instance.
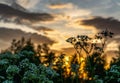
[66, 58]
[67, 66]
[107, 66]
[60, 6]
[83, 74]
[82, 59]
[66, 61]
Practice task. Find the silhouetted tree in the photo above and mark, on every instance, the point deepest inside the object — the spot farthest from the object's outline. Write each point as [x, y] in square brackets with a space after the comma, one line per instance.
[23, 66]
[94, 62]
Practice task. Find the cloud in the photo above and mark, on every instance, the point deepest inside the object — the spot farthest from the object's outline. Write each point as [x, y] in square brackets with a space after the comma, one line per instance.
[7, 13]
[63, 17]
[27, 3]
[68, 10]
[25, 21]
[60, 6]
[59, 39]
[112, 46]
[9, 2]
[20, 27]
[18, 7]
[42, 28]
[103, 23]
[111, 24]
[10, 34]
[74, 11]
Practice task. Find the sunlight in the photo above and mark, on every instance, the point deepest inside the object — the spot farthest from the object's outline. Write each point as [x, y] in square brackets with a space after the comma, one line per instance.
[107, 66]
[82, 72]
[82, 59]
[66, 58]
[67, 66]
[60, 6]
[59, 41]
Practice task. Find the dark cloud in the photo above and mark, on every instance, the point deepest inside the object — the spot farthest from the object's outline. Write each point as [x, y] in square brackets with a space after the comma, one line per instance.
[103, 23]
[18, 7]
[9, 34]
[42, 28]
[110, 23]
[7, 13]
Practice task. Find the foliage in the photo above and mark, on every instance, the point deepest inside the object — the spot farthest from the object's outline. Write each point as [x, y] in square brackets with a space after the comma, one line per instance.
[23, 63]
[22, 66]
[113, 74]
[94, 62]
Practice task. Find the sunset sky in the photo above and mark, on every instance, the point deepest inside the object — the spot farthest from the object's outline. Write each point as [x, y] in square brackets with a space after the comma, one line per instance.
[53, 21]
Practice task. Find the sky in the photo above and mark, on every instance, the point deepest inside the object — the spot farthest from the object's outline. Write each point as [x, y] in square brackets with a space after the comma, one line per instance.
[53, 21]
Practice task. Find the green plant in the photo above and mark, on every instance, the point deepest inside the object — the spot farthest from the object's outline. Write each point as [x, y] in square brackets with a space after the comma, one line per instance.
[22, 66]
[112, 75]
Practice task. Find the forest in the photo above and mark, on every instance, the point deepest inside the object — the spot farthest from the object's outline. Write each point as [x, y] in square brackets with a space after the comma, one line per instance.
[23, 62]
